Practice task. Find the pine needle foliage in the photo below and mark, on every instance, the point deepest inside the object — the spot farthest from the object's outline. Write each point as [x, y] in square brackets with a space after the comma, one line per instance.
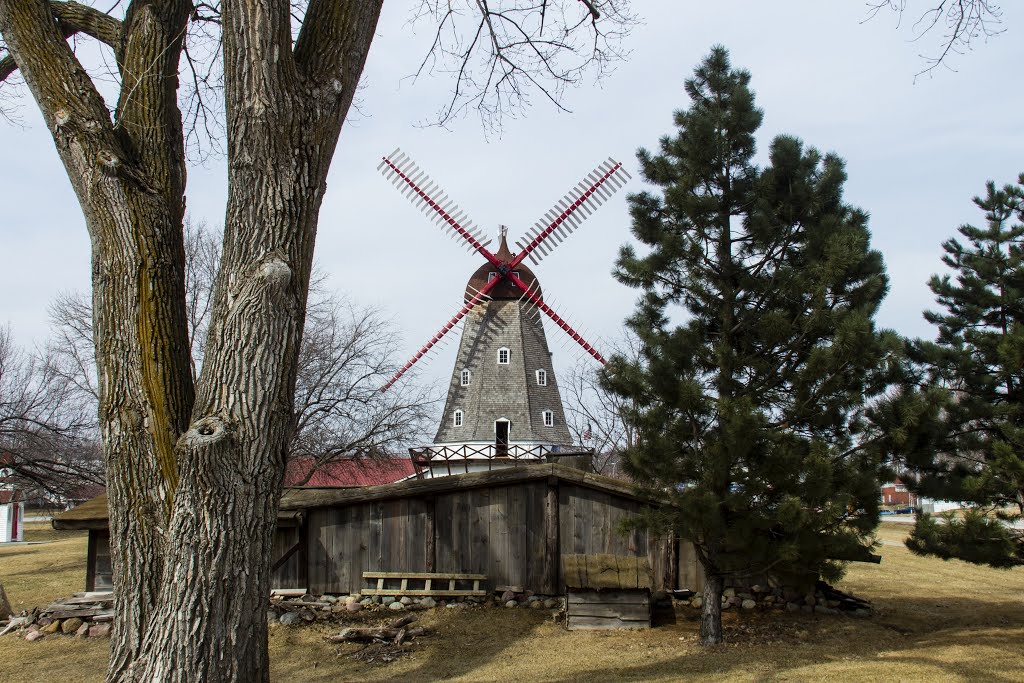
[759, 350]
[971, 447]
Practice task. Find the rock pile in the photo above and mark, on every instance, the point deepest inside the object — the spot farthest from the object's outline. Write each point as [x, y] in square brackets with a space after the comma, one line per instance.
[823, 599]
[85, 615]
[290, 609]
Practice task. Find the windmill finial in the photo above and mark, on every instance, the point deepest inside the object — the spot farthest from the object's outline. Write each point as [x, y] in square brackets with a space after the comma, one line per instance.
[502, 231]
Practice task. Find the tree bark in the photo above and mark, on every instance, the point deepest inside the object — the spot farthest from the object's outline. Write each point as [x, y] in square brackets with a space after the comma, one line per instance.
[711, 610]
[194, 484]
[283, 122]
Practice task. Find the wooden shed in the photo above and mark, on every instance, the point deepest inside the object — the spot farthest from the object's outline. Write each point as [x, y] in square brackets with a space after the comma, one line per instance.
[512, 525]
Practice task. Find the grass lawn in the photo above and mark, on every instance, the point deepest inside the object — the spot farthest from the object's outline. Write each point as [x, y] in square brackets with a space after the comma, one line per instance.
[933, 621]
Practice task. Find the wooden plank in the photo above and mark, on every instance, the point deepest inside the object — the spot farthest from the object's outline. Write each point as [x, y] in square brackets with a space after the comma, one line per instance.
[608, 597]
[499, 567]
[543, 522]
[579, 521]
[601, 624]
[444, 515]
[477, 539]
[617, 610]
[430, 534]
[306, 497]
[421, 592]
[516, 519]
[423, 575]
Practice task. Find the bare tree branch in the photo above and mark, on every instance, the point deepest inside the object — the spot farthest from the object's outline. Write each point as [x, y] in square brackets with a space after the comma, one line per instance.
[499, 52]
[959, 22]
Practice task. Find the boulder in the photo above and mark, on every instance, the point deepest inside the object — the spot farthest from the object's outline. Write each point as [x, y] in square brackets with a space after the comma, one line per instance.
[35, 635]
[697, 602]
[52, 627]
[71, 625]
[395, 605]
[792, 607]
[289, 618]
[810, 600]
[366, 601]
[387, 600]
[99, 631]
[353, 606]
[406, 600]
[729, 592]
[511, 603]
[83, 630]
[748, 604]
[427, 602]
[508, 595]
[550, 603]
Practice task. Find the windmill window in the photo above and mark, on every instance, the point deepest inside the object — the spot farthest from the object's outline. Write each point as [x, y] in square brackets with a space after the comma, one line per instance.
[464, 378]
[458, 418]
[542, 378]
[503, 355]
[491, 275]
[549, 418]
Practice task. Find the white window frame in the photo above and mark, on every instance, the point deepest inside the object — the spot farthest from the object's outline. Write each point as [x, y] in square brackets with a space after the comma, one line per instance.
[464, 377]
[549, 418]
[457, 418]
[542, 378]
[508, 355]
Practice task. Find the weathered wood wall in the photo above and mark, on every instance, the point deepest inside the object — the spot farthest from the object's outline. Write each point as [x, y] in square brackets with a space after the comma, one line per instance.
[515, 534]
[292, 573]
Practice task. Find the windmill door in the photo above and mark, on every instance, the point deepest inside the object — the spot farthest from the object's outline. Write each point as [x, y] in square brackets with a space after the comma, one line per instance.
[501, 438]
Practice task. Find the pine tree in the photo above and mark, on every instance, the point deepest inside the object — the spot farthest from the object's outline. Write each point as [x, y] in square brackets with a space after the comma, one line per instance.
[758, 346]
[974, 381]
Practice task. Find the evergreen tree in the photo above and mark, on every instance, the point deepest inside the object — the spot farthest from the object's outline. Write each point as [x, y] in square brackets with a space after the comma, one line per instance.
[758, 346]
[974, 383]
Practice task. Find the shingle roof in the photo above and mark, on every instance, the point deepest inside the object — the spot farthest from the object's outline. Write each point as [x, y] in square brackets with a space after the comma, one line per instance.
[348, 472]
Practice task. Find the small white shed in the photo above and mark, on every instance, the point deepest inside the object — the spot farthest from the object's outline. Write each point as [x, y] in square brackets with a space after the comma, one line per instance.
[12, 515]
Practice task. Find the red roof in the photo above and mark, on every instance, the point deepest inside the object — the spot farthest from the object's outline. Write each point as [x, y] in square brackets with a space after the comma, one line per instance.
[348, 472]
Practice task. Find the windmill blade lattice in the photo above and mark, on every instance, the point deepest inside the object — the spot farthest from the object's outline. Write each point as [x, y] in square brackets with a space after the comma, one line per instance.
[571, 210]
[427, 196]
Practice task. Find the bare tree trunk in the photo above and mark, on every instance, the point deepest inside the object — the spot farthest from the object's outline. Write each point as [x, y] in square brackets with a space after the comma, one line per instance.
[210, 620]
[711, 610]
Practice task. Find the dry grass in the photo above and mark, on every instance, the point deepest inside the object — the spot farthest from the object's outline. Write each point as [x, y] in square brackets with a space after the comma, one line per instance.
[934, 621]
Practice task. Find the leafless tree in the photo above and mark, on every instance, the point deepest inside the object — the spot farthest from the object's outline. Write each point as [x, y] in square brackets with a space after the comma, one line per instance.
[194, 464]
[48, 438]
[596, 417]
[960, 24]
[348, 352]
[347, 355]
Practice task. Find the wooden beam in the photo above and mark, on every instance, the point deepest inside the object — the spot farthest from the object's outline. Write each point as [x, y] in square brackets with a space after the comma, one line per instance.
[551, 539]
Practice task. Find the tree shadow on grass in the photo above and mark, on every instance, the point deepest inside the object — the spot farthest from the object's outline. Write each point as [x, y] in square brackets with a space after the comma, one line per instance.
[928, 638]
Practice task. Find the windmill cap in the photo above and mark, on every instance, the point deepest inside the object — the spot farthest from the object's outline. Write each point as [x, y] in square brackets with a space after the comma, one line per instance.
[506, 289]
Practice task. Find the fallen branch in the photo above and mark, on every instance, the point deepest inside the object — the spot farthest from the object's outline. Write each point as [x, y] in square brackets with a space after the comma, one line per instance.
[381, 633]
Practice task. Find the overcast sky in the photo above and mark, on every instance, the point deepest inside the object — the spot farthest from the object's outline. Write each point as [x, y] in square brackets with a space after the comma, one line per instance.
[916, 153]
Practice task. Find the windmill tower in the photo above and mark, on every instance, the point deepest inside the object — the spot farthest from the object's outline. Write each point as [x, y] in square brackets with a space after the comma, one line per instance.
[503, 405]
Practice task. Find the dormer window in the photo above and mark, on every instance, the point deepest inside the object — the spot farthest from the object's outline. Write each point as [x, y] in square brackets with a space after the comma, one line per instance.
[503, 356]
[458, 418]
[464, 378]
[549, 418]
[542, 378]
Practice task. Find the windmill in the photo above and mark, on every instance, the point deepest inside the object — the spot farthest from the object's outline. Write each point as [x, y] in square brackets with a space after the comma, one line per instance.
[503, 402]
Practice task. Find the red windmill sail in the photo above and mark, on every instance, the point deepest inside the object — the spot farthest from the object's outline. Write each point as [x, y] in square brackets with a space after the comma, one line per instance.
[556, 225]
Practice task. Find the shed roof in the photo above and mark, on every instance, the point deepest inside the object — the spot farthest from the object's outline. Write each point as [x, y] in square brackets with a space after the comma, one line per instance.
[347, 472]
[93, 514]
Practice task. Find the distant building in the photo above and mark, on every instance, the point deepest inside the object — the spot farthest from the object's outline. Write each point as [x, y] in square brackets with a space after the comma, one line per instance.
[895, 494]
[12, 515]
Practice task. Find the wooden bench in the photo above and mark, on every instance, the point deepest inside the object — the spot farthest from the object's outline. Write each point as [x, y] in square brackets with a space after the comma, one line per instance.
[410, 582]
